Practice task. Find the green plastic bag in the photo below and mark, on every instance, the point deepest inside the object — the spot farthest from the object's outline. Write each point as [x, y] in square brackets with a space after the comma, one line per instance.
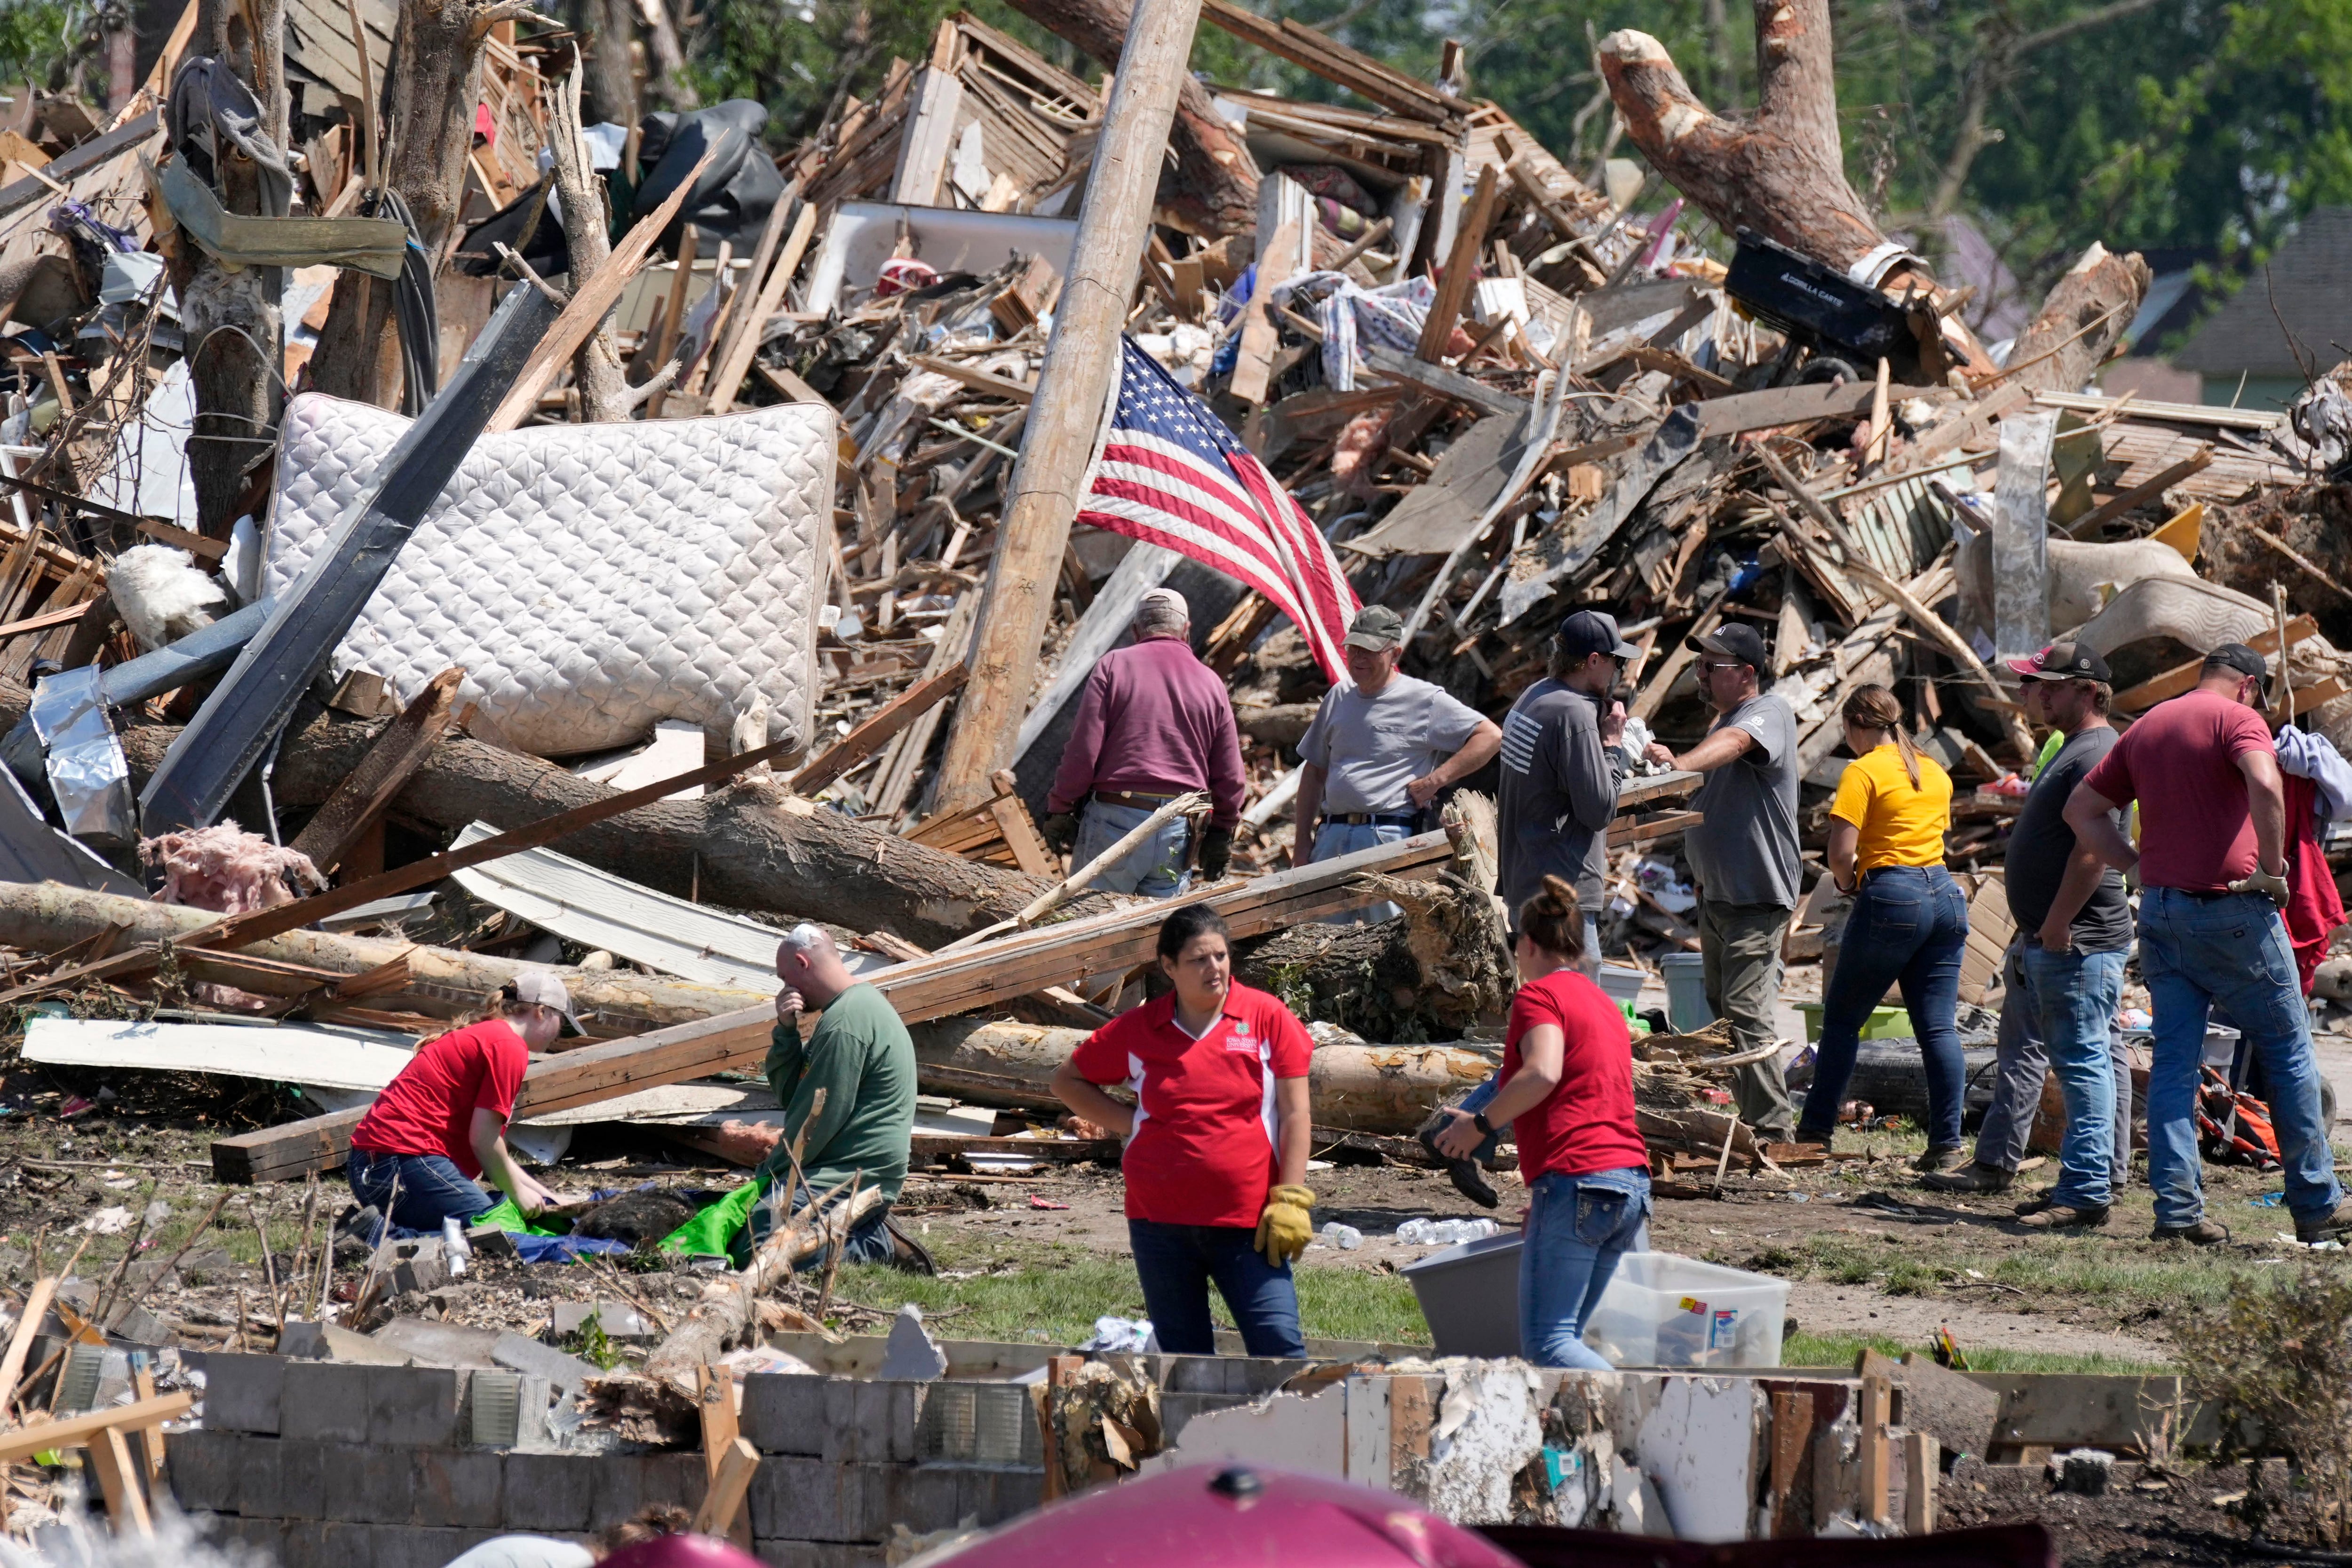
[507, 1216]
[708, 1234]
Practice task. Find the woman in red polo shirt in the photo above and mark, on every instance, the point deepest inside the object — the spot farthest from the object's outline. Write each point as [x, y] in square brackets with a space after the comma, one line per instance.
[1567, 1096]
[1216, 1142]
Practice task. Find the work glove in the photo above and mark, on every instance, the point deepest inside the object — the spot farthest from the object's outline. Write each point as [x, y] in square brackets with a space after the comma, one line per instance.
[2274, 888]
[1285, 1228]
[1216, 851]
[1061, 830]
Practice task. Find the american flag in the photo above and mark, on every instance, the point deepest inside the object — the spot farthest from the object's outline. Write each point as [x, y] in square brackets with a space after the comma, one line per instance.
[1171, 474]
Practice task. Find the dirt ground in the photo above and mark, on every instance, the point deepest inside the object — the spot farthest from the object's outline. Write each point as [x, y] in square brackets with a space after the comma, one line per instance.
[1869, 1255]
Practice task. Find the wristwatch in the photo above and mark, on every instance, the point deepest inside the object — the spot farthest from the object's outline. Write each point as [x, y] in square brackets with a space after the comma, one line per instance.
[1478, 1120]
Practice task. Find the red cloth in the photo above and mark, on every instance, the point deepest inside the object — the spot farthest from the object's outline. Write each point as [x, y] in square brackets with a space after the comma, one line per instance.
[2314, 908]
[2178, 760]
[1154, 721]
[1586, 1123]
[429, 1108]
[1203, 1152]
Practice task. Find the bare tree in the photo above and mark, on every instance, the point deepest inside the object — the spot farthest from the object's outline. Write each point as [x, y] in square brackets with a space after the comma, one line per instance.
[435, 81]
[587, 235]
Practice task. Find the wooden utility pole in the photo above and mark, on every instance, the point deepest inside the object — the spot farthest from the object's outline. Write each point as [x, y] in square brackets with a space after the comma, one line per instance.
[1080, 361]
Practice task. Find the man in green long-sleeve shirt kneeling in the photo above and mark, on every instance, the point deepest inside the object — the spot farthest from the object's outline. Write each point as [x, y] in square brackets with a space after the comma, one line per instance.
[861, 1057]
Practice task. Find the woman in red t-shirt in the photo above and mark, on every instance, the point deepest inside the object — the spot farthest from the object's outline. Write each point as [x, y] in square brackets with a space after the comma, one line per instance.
[417, 1153]
[1567, 1096]
[1216, 1142]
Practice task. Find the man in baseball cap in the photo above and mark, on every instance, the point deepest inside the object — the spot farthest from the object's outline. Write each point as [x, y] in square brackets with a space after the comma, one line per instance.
[2062, 976]
[1383, 747]
[1744, 854]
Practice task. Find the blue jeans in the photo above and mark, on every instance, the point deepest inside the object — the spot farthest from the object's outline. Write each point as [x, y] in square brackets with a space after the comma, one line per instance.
[1333, 840]
[1155, 867]
[1177, 1264]
[1577, 1227]
[2073, 996]
[431, 1188]
[2231, 950]
[1909, 925]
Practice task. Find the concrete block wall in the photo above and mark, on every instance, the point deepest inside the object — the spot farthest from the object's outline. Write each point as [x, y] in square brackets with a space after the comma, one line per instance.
[332, 1465]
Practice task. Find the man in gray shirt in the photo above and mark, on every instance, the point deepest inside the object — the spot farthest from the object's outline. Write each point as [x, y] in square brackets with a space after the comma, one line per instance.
[1561, 769]
[1743, 853]
[1381, 747]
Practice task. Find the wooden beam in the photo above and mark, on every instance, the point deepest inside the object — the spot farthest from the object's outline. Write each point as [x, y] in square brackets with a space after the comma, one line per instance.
[1461, 264]
[745, 350]
[48, 618]
[1335, 62]
[722, 1504]
[977, 378]
[76, 1431]
[933, 986]
[1445, 382]
[591, 303]
[879, 728]
[364, 792]
[1081, 360]
[2180, 677]
[2087, 527]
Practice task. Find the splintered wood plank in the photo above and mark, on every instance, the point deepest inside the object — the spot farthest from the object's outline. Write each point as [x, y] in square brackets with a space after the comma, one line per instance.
[879, 728]
[392, 758]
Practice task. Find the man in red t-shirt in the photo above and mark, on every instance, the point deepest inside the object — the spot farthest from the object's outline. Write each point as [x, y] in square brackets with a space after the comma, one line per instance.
[1216, 1142]
[441, 1123]
[2212, 862]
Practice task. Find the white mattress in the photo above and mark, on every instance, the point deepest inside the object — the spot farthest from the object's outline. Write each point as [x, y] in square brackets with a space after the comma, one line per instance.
[591, 580]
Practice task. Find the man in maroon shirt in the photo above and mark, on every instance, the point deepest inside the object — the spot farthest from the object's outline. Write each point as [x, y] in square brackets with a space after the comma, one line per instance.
[1155, 723]
[2212, 868]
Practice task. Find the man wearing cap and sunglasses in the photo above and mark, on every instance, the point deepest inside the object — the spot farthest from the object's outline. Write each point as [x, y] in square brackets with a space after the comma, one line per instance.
[2212, 870]
[1561, 771]
[1744, 854]
[1380, 750]
[417, 1154]
[2073, 926]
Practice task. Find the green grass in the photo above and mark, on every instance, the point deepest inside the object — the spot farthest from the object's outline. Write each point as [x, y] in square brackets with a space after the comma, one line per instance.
[1052, 1294]
[1839, 1351]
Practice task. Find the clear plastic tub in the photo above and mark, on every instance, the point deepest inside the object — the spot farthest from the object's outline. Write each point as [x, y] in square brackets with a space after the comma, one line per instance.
[1663, 1309]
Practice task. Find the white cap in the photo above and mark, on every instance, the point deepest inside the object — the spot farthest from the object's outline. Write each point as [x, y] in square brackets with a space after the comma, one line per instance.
[1156, 598]
[542, 989]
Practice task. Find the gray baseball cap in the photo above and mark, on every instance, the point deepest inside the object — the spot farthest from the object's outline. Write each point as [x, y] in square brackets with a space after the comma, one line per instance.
[1375, 627]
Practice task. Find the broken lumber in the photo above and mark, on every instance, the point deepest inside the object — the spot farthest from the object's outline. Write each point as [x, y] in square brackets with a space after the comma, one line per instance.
[918, 989]
[439, 982]
[725, 1311]
[361, 799]
[879, 728]
[1081, 364]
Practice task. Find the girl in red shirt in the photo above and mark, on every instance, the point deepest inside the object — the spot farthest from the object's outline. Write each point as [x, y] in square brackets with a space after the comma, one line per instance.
[1568, 1095]
[1216, 1142]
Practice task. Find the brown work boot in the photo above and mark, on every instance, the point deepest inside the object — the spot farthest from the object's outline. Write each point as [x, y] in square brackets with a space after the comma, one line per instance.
[1938, 1160]
[2202, 1233]
[1977, 1176]
[2328, 1228]
[2048, 1215]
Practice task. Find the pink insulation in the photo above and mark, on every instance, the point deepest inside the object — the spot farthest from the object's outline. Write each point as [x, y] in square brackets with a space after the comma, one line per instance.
[226, 870]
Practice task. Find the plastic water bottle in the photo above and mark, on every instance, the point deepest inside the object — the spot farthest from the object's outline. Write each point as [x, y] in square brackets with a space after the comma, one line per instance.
[455, 1248]
[1443, 1232]
[1346, 1237]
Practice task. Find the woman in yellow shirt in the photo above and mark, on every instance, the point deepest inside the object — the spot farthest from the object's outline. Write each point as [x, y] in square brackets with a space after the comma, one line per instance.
[1909, 925]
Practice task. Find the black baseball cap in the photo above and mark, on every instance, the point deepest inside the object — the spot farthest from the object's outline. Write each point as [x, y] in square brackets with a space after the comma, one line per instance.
[2065, 662]
[1591, 632]
[2239, 657]
[1737, 641]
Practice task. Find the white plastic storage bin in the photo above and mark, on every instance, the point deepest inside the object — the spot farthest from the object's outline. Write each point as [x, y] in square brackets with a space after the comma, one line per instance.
[1622, 982]
[1662, 1310]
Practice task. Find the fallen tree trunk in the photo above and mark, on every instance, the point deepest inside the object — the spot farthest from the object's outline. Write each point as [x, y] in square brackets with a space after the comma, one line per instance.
[1212, 188]
[2081, 322]
[442, 982]
[1431, 973]
[751, 846]
[724, 1313]
[1361, 1088]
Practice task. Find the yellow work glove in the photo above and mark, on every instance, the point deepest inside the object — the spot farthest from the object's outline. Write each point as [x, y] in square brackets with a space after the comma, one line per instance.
[1285, 1228]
